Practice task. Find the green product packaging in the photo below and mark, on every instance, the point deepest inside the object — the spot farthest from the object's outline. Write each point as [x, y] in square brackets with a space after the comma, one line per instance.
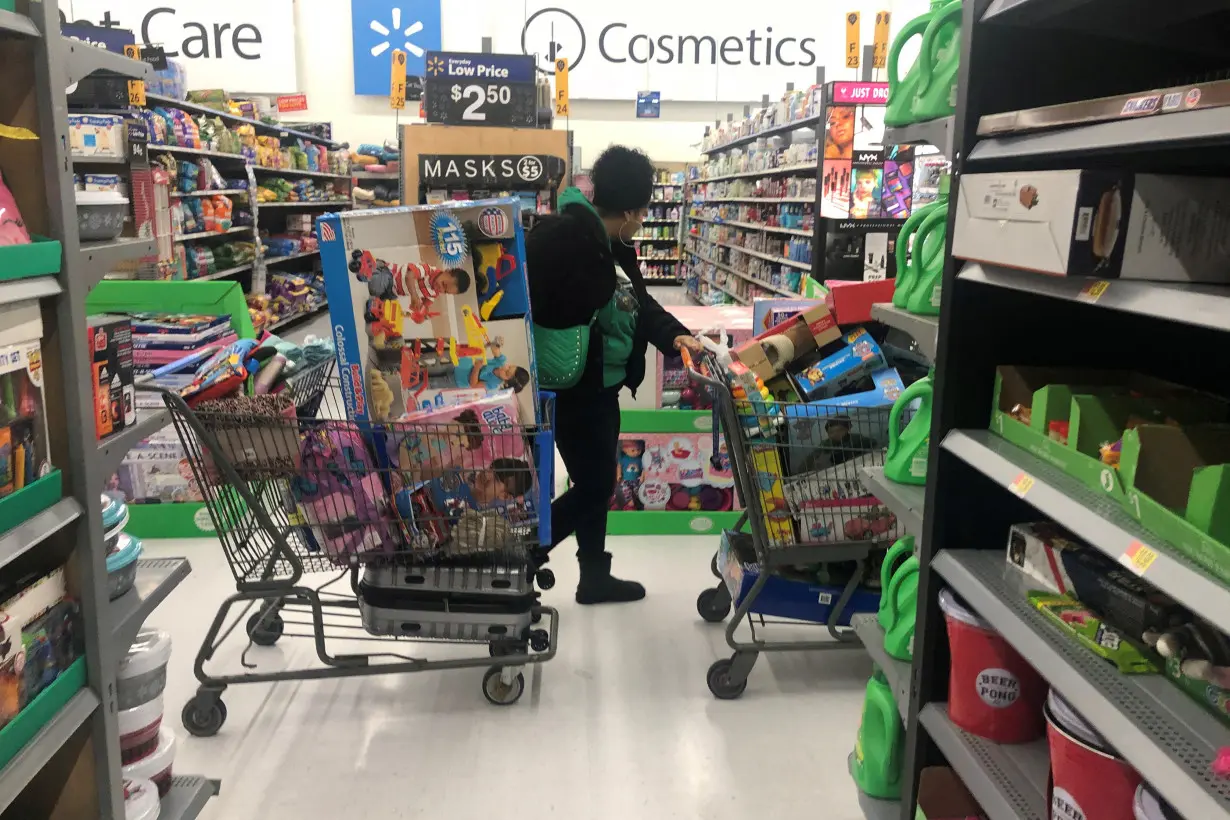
[928, 277]
[878, 751]
[902, 595]
[904, 282]
[1087, 629]
[906, 459]
[901, 89]
[1177, 483]
[935, 93]
[897, 553]
[1214, 699]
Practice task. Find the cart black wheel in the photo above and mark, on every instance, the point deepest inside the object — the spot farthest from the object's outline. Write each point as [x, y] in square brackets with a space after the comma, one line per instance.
[204, 715]
[498, 692]
[545, 578]
[713, 567]
[268, 632]
[712, 606]
[535, 617]
[720, 684]
[540, 640]
[500, 649]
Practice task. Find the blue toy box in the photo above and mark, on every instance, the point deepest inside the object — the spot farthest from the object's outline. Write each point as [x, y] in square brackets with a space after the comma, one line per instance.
[769, 313]
[429, 307]
[827, 376]
[783, 597]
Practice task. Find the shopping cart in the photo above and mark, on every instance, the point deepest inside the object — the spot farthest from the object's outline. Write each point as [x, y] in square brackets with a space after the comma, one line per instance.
[808, 541]
[431, 551]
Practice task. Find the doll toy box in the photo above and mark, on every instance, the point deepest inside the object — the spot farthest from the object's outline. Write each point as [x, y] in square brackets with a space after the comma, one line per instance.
[429, 305]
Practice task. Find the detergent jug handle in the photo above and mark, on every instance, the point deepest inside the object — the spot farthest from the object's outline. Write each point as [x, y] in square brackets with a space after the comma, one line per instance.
[903, 548]
[926, 58]
[894, 416]
[913, 28]
[909, 565]
[937, 219]
[910, 224]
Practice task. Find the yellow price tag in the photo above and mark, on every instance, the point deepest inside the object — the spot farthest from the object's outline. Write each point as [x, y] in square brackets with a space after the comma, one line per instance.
[1093, 291]
[561, 87]
[852, 39]
[397, 81]
[136, 88]
[1137, 557]
[1021, 485]
[880, 55]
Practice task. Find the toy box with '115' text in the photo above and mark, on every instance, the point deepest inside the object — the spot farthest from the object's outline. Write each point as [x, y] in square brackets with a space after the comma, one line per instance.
[429, 307]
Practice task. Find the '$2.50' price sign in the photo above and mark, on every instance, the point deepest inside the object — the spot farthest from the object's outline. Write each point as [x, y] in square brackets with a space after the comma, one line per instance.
[480, 89]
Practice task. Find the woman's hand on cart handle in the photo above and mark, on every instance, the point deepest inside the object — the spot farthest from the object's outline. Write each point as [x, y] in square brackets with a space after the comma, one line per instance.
[688, 344]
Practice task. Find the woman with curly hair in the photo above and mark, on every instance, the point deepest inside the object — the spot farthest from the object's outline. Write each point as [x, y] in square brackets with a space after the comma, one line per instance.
[583, 271]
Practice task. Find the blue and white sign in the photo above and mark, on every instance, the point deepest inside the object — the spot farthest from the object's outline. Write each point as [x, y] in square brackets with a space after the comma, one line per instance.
[508, 68]
[648, 105]
[480, 89]
[383, 25]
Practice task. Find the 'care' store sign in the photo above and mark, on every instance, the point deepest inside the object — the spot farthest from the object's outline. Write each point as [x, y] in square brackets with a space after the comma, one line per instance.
[237, 45]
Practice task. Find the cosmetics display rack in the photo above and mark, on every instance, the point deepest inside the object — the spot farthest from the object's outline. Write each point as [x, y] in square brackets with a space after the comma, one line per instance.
[992, 317]
[50, 63]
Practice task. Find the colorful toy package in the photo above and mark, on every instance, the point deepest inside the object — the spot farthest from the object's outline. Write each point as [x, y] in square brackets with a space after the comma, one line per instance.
[672, 471]
[426, 301]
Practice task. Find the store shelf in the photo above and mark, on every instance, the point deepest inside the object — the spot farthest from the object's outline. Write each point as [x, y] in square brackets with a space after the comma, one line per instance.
[184, 237]
[263, 128]
[87, 159]
[663, 280]
[744, 275]
[36, 754]
[874, 809]
[1190, 129]
[770, 172]
[1203, 305]
[113, 448]
[187, 797]
[805, 122]
[923, 329]
[896, 672]
[310, 204]
[762, 199]
[393, 175]
[906, 501]
[196, 152]
[1091, 516]
[273, 260]
[781, 260]
[222, 274]
[757, 226]
[724, 289]
[226, 192]
[155, 579]
[293, 172]
[13, 23]
[106, 255]
[34, 531]
[660, 222]
[83, 60]
[658, 259]
[34, 287]
[298, 317]
[1009, 781]
[655, 239]
[931, 132]
[1156, 727]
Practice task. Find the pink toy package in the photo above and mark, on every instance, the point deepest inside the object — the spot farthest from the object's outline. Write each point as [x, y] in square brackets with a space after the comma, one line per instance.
[672, 471]
[468, 436]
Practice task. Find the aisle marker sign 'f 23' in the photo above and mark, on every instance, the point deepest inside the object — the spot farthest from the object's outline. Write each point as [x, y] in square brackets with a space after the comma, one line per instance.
[383, 25]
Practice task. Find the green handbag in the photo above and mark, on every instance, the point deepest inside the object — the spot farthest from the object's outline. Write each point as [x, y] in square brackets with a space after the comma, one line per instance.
[561, 354]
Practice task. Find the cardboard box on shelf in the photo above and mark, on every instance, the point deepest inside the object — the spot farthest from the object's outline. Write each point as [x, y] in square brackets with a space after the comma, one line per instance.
[24, 442]
[111, 357]
[850, 302]
[1109, 224]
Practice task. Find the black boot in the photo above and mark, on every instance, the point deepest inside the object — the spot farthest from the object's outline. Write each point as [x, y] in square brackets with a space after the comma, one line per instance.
[599, 587]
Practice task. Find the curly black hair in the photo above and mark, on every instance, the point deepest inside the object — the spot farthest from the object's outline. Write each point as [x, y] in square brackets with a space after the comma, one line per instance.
[623, 180]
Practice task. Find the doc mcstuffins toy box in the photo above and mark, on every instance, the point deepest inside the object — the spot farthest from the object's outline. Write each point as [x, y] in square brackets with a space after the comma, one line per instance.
[667, 479]
[429, 306]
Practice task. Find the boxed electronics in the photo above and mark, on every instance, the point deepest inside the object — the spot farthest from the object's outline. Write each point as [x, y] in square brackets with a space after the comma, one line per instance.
[1110, 224]
[115, 404]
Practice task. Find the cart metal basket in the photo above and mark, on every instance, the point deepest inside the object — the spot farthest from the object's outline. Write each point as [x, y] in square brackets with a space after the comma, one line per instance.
[436, 528]
[810, 531]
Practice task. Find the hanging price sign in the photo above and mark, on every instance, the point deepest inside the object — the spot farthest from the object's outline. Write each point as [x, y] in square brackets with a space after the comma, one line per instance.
[136, 88]
[852, 39]
[481, 89]
[397, 82]
[561, 87]
[879, 57]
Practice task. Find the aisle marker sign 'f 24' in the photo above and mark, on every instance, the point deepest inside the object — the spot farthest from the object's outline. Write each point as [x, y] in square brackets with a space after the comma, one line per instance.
[383, 25]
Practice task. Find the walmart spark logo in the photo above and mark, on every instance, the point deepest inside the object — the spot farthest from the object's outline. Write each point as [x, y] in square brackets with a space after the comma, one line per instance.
[435, 66]
[379, 26]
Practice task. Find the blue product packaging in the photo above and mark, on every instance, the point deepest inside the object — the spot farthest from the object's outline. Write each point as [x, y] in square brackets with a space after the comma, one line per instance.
[769, 313]
[827, 376]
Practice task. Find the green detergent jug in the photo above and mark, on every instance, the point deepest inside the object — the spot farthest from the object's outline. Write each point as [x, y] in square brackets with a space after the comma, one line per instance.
[927, 280]
[902, 595]
[897, 553]
[906, 459]
[878, 751]
[897, 111]
[905, 272]
[935, 93]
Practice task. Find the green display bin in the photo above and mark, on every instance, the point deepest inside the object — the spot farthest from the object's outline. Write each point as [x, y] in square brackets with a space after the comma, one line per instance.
[39, 258]
[30, 500]
[41, 711]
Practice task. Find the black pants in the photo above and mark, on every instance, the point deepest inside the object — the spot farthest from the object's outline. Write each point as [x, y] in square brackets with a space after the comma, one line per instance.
[587, 433]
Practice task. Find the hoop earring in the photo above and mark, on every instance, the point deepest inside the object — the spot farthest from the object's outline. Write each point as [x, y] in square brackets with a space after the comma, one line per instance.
[627, 243]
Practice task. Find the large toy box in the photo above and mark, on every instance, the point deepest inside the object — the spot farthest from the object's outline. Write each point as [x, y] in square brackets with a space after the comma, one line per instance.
[429, 307]
[729, 325]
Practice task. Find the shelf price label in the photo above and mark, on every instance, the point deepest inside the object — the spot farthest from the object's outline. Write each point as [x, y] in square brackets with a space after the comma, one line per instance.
[1093, 291]
[852, 39]
[1138, 557]
[397, 81]
[879, 57]
[136, 88]
[481, 89]
[1021, 485]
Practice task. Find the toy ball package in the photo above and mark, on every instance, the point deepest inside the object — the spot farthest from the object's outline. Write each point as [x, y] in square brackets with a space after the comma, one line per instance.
[673, 471]
[430, 307]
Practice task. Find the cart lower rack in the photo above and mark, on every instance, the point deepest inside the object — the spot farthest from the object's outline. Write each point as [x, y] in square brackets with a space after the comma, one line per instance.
[418, 531]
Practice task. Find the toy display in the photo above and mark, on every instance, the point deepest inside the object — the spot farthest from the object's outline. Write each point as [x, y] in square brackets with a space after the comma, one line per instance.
[115, 404]
[426, 301]
[673, 471]
[39, 639]
[24, 449]
[727, 326]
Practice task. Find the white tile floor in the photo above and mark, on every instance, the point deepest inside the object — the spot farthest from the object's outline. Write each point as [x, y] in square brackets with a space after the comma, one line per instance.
[619, 725]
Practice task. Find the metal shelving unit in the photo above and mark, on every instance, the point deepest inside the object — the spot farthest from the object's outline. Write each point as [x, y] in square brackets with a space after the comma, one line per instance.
[938, 133]
[906, 501]
[76, 521]
[896, 672]
[923, 329]
[995, 316]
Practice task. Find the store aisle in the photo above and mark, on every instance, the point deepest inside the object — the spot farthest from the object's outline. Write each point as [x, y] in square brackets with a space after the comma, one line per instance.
[619, 725]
